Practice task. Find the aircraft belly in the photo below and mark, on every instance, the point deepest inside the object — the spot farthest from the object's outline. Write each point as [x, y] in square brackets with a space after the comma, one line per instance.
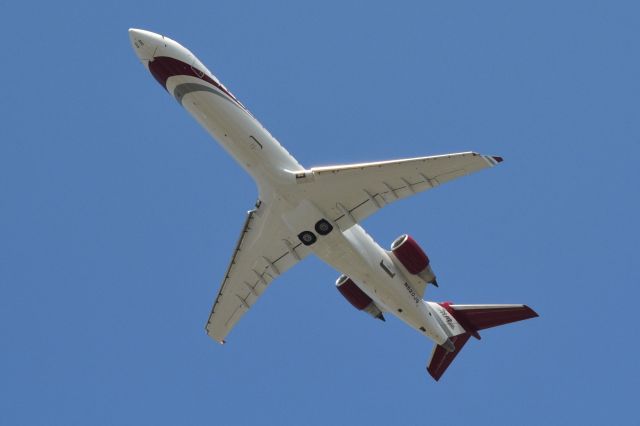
[357, 255]
[234, 128]
[225, 122]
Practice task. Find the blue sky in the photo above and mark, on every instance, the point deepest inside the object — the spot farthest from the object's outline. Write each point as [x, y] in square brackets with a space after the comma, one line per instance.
[118, 213]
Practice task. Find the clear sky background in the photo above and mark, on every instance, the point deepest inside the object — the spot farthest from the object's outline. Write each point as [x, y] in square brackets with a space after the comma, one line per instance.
[118, 213]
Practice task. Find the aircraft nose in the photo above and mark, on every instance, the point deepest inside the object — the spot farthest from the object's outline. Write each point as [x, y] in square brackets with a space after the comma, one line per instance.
[144, 43]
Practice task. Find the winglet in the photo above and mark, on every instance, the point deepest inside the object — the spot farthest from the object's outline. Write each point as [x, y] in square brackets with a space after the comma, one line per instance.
[493, 160]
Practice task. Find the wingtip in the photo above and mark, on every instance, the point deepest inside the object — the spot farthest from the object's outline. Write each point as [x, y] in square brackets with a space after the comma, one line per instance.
[498, 159]
[433, 375]
[533, 313]
[215, 339]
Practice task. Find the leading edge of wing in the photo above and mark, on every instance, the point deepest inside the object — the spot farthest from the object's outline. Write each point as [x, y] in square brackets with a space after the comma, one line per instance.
[491, 159]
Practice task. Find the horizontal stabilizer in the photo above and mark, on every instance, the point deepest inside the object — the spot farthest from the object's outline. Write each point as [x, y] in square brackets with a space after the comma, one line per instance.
[473, 318]
[479, 317]
[441, 358]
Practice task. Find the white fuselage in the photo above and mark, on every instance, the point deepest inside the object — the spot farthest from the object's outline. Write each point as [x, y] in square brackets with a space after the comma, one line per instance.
[351, 251]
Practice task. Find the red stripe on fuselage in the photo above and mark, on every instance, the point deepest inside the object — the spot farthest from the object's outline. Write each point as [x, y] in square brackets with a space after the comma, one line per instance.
[163, 67]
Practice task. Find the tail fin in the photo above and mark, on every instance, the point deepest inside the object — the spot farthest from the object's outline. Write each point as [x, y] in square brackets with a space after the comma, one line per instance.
[473, 318]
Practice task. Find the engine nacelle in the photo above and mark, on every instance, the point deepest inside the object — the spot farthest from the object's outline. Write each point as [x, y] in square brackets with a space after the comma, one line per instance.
[413, 258]
[358, 298]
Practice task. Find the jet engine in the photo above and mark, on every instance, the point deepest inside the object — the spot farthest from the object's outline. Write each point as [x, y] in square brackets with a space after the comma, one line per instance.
[358, 298]
[413, 258]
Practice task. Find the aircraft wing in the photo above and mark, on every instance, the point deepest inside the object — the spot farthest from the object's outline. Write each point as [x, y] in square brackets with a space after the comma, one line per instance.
[264, 250]
[350, 193]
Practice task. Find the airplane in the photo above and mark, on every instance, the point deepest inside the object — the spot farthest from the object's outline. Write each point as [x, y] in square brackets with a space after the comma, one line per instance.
[318, 211]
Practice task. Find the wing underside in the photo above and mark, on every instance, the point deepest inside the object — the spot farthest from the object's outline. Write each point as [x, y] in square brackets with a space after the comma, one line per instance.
[350, 193]
[264, 251]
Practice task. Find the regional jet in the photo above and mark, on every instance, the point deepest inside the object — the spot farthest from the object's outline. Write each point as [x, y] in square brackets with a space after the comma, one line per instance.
[318, 211]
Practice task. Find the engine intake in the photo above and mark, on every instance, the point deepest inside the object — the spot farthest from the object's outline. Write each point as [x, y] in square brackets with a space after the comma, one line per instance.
[413, 258]
[358, 298]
